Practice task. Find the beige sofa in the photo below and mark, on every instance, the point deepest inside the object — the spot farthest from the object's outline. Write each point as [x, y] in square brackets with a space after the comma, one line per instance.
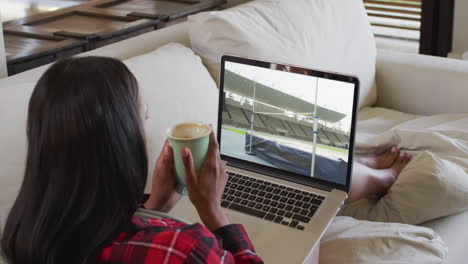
[412, 84]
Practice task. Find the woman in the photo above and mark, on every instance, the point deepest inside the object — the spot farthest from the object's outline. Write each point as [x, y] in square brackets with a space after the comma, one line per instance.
[85, 175]
[86, 171]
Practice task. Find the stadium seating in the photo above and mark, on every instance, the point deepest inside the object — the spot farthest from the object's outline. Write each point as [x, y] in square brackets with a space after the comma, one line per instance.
[258, 122]
[238, 115]
[308, 130]
[297, 129]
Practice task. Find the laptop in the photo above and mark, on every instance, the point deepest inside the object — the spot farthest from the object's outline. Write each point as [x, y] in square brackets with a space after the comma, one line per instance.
[286, 137]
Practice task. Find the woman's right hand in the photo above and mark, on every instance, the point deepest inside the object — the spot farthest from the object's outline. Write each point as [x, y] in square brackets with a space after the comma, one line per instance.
[206, 187]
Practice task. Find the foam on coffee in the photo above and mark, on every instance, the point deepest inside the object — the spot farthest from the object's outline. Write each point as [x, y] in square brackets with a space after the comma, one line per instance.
[189, 131]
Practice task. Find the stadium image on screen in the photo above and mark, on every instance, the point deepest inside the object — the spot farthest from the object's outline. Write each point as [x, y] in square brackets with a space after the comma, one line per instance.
[287, 119]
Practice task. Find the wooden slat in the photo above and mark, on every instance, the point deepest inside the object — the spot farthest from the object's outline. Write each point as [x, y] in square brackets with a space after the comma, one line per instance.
[402, 4]
[393, 10]
[187, 1]
[163, 10]
[409, 11]
[390, 2]
[201, 6]
[35, 45]
[394, 26]
[45, 15]
[32, 31]
[395, 17]
[145, 5]
[111, 14]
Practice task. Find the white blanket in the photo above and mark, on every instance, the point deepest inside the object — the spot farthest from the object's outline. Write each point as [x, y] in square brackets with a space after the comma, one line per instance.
[442, 134]
[434, 184]
[353, 241]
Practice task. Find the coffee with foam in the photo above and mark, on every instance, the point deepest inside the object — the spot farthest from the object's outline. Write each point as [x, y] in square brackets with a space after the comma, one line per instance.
[189, 131]
[194, 136]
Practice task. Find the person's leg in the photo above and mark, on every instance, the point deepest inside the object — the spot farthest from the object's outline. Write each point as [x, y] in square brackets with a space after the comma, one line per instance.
[381, 161]
[368, 181]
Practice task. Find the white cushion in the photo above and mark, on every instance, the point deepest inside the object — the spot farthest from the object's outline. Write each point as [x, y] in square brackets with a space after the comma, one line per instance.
[14, 101]
[330, 35]
[352, 241]
[421, 84]
[177, 88]
[449, 229]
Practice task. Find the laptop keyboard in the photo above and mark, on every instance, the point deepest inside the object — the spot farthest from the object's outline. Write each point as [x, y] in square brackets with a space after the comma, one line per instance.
[270, 201]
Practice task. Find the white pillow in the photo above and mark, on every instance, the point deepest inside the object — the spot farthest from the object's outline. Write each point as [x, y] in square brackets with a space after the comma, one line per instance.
[352, 241]
[14, 101]
[330, 35]
[428, 188]
[177, 88]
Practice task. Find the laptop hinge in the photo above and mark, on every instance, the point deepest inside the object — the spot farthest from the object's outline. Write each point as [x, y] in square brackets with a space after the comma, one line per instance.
[282, 176]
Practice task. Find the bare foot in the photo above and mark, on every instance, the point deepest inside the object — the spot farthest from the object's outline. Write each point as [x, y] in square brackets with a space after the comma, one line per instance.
[382, 161]
[401, 162]
[386, 178]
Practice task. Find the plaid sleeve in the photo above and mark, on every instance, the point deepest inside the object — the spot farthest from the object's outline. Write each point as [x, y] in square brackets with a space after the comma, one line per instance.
[234, 239]
[209, 250]
[167, 241]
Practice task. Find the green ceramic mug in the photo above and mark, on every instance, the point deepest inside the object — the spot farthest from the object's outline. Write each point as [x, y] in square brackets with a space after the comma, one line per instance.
[194, 136]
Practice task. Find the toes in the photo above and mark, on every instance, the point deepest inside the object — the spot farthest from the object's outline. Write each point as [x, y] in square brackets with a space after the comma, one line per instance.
[409, 158]
[394, 151]
[401, 157]
[391, 156]
[405, 158]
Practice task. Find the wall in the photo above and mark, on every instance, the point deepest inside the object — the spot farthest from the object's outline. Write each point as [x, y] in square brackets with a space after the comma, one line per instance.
[460, 28]
[3, 67]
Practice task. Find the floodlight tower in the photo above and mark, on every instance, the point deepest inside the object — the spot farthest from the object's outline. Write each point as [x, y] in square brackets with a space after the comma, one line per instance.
[252, 116]
[312, 167]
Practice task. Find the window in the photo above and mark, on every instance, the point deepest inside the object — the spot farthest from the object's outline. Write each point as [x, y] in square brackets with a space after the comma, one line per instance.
[425, 24]
[399, 19]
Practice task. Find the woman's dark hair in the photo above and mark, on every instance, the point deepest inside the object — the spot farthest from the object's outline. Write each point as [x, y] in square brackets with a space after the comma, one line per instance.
[86, 166]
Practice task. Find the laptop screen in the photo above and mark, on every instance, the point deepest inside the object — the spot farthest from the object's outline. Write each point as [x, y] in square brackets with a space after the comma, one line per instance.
[288, 118]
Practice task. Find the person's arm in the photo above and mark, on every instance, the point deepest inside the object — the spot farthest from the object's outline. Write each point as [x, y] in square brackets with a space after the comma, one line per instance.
[234, 239]
[175, 242]
[228, 244]
[205, 189]
[163, 196]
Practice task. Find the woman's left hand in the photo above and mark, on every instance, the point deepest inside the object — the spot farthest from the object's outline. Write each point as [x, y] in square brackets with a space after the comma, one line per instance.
[163, 196]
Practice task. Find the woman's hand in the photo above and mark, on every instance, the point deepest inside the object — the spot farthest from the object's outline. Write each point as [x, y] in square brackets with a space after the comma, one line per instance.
[206, 187]
[163, 196]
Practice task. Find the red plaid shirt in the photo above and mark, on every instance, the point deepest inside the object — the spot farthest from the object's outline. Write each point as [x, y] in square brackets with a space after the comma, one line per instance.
[160, 240]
